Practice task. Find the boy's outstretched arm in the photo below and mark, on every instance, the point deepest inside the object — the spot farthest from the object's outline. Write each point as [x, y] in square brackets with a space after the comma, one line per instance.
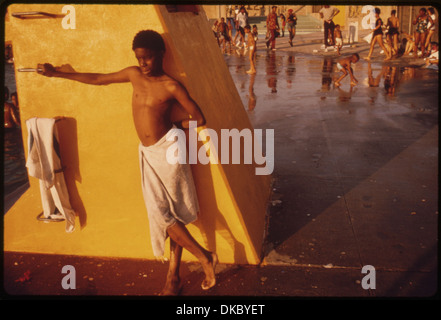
[181, 95]
[89, 78]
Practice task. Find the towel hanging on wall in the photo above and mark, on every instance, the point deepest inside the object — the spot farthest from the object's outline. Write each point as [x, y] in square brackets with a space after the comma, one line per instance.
[44, 163]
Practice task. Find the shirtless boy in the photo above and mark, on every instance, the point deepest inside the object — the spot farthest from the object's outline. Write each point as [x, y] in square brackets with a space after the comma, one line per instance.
[393, 23]
[338, 38]
[252, 47]
[154, 93]
[344, 65]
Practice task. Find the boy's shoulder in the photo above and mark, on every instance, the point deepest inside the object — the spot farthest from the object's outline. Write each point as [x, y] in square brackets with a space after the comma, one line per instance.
[170, 82]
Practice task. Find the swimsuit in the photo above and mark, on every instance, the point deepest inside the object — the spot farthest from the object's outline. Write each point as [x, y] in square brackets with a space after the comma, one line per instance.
[292, 21]
[379, 22]
[432, 25]
[422, 25]
[392, 31]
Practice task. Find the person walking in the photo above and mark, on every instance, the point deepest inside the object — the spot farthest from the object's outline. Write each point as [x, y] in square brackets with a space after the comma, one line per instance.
[272, 26]
[292, 22]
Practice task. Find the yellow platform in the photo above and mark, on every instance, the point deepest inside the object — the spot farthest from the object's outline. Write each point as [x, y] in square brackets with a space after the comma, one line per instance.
[99, 143]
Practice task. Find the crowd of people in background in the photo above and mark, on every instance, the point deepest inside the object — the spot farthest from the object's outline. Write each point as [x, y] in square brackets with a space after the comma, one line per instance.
[223, 29]
[419, 45]
[385, 35]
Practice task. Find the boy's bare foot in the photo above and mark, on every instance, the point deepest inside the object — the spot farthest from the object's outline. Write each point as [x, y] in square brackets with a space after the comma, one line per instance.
[353, 83]
[172, 287]
[209, 269]
[387, 58]
[337, 84]
[368, 58]
[251, 71]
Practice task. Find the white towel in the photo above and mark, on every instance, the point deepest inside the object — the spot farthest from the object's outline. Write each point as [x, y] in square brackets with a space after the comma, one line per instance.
[44, 163]
[169, 192]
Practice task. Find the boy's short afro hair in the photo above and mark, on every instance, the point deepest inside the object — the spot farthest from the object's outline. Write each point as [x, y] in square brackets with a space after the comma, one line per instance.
[148, 39]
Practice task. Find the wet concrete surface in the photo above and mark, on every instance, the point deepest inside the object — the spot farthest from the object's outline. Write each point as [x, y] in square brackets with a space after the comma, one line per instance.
[356, 167]
[356, 183]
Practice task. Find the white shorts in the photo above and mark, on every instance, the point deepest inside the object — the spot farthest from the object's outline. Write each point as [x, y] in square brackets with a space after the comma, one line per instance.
[338, 41]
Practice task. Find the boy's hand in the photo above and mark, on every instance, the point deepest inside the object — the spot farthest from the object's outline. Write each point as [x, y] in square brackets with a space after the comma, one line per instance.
[47, 69]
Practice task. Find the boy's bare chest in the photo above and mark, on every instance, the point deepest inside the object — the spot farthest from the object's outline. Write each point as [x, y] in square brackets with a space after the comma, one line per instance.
[150, 95]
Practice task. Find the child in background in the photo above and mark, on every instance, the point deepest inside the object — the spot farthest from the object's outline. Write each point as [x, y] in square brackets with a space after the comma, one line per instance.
[338, 39]
[252, 47]
[344, 65]
[432, 60]
[292, 21]
[224, 38]
[410, 43]
[216, 31]
[255, 33]
[230, 30]
[282, 17]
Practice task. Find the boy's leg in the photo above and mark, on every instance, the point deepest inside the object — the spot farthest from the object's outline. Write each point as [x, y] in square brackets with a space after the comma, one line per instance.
[273, 39]
[252, 61]
[416, 43]
[332, 28]
[353, 81]
[395, 39]
[386, 50]
[179, 233]
[371, 49]
[423, 43]
[173, 281]
[326, 31]
[345, 73]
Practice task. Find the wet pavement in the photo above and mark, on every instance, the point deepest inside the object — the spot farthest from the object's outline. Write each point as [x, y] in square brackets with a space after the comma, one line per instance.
[355, 184]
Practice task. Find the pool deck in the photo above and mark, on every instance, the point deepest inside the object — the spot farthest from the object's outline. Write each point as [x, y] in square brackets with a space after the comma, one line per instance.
[345, 196]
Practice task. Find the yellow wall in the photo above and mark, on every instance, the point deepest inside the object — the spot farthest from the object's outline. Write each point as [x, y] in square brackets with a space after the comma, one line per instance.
[340, 18]
[99, 143]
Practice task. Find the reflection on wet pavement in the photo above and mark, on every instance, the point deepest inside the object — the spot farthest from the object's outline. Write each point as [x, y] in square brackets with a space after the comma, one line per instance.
[329, 139]
[286, 81]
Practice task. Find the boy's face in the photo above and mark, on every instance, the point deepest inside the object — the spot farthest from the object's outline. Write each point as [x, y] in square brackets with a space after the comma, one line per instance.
[148, 60]
[354, 59]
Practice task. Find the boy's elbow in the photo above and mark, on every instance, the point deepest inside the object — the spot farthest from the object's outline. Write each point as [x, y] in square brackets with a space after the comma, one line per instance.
[99, 81]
